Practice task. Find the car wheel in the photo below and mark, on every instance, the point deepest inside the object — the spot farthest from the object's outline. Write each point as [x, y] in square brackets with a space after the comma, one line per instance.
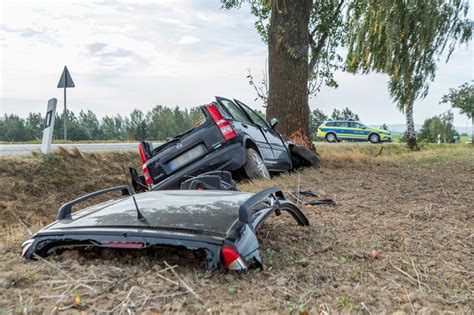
[374, 138]
[330, 137]
[302, 157]
[254, 167]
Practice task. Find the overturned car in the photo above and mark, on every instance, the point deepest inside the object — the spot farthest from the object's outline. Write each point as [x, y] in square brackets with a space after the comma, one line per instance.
[220, 223]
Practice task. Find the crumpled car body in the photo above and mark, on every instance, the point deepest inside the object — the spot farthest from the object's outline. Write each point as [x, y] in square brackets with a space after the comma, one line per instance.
[222, 224]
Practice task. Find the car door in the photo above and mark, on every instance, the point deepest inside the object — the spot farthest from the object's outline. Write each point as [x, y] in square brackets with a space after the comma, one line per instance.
[280, 152]
[359, 131]
[242, 123]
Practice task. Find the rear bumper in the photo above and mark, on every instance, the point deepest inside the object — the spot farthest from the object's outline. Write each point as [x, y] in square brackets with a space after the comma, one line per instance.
[228, 158]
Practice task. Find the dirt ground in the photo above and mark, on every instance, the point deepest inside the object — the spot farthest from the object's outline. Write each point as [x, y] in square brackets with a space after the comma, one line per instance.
[400, 239]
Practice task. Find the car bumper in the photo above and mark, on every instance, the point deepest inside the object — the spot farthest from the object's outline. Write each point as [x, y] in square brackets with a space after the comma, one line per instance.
[228, 158]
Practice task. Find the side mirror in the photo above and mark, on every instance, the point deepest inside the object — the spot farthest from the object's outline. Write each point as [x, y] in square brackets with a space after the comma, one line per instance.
[273, 122]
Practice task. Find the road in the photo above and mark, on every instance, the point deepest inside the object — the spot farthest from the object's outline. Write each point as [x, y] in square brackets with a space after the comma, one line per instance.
[26, 149]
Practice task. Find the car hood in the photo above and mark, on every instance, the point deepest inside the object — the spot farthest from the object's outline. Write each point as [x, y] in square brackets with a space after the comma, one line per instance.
[212, 212]
[379, 130]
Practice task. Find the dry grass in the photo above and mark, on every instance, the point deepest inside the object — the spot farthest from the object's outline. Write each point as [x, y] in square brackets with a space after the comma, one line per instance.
[414, 209]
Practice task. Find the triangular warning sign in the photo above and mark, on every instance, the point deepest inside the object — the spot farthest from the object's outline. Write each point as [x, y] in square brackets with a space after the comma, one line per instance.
[65, 80]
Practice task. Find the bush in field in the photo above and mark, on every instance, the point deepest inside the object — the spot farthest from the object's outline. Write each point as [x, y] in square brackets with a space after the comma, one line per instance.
[438, 125]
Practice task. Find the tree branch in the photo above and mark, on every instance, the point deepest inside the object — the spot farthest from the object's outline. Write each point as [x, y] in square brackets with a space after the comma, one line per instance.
[316, 48]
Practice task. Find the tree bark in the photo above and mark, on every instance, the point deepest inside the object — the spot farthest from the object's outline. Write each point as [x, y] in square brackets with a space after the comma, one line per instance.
[411, 134]
[288, 43]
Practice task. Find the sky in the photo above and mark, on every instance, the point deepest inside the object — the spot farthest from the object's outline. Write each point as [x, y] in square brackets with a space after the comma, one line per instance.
[138, 54]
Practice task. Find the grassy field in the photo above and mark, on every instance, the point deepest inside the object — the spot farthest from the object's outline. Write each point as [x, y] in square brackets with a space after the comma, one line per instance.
[412, 209]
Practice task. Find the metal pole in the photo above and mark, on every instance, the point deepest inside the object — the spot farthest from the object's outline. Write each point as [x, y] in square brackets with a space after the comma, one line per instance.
[65, 116]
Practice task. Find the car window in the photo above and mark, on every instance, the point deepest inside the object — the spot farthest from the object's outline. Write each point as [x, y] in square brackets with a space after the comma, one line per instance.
[330, 124]
[254, 116]
[236, 112]
[344, 124]
[355, 125]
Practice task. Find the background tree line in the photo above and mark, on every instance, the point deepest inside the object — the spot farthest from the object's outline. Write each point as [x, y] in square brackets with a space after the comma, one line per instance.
[158, 124]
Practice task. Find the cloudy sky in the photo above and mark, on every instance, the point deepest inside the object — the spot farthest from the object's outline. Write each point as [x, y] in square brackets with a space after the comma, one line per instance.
[126, 55]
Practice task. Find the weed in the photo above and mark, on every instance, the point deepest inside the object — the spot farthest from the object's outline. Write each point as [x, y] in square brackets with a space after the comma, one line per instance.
[344, 302]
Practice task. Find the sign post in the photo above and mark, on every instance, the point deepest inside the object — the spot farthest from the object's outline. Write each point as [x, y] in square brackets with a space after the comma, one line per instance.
[65, 82]
[49, 126]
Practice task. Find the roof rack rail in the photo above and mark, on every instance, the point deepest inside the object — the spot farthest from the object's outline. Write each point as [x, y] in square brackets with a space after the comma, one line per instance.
[245, 209]
[65, 210]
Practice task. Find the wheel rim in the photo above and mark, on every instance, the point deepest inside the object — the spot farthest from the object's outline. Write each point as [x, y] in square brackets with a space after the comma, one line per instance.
[331, 137]
[260, 166]
[374, 138]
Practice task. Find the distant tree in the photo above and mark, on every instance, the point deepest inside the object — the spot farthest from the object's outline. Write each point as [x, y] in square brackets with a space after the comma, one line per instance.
[34, 126]
[12, 128]
[462, 98]
[384, 127]
[161, 123]
[438, 125]
[344, 114]
[136, 125]
[74, 131]
[90, 124]
[113, 128]
[404, 39]
[316, 119]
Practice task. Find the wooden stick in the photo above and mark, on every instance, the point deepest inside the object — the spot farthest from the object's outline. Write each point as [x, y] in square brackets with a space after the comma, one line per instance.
[185, 285]
[417, 275]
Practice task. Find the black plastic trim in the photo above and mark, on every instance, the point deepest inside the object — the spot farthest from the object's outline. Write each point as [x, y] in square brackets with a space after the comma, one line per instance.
[65, 210]
[245, 209]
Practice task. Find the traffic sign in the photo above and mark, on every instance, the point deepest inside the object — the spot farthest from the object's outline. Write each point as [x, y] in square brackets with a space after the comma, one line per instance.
[65, 81]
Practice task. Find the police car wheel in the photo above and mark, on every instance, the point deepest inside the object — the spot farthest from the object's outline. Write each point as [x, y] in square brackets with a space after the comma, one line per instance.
[374, 138]
[330, 137]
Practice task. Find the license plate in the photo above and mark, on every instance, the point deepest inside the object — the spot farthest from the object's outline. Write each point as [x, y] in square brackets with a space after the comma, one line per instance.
[186, 157]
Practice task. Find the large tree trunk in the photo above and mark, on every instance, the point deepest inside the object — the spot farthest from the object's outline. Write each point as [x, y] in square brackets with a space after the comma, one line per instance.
[411, 134]
[288, 43]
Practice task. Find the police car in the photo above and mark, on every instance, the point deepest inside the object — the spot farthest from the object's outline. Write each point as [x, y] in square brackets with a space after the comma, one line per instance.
[337, 130]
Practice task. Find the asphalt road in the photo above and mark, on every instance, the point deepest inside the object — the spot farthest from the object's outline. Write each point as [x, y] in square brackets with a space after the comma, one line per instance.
[26, 149]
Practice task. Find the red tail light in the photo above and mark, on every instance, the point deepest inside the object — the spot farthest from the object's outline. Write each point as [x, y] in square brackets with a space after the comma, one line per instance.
[145, 171]
[232, 259]
[224, 126]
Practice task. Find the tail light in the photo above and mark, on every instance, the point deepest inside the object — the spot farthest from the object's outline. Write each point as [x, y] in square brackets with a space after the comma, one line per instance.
[224, 126]
[232, 259]
[145, 171]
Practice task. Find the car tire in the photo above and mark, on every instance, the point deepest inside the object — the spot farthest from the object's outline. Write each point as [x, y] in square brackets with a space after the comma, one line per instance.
[374, 138]
[331, 137]
[302, 157]
[254, 167]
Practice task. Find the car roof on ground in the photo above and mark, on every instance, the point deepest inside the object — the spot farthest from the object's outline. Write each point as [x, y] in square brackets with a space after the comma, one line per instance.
[203, 211]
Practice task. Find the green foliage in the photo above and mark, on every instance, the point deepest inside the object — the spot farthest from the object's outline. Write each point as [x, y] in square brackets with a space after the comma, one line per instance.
[315, 120]
[158, 124]
[346, 113]
[327, 29]
[404, 39]
[461, 98]
[438, 125]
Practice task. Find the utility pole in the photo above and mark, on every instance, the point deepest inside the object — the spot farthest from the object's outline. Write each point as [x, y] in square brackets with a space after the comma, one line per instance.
[65, 82]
